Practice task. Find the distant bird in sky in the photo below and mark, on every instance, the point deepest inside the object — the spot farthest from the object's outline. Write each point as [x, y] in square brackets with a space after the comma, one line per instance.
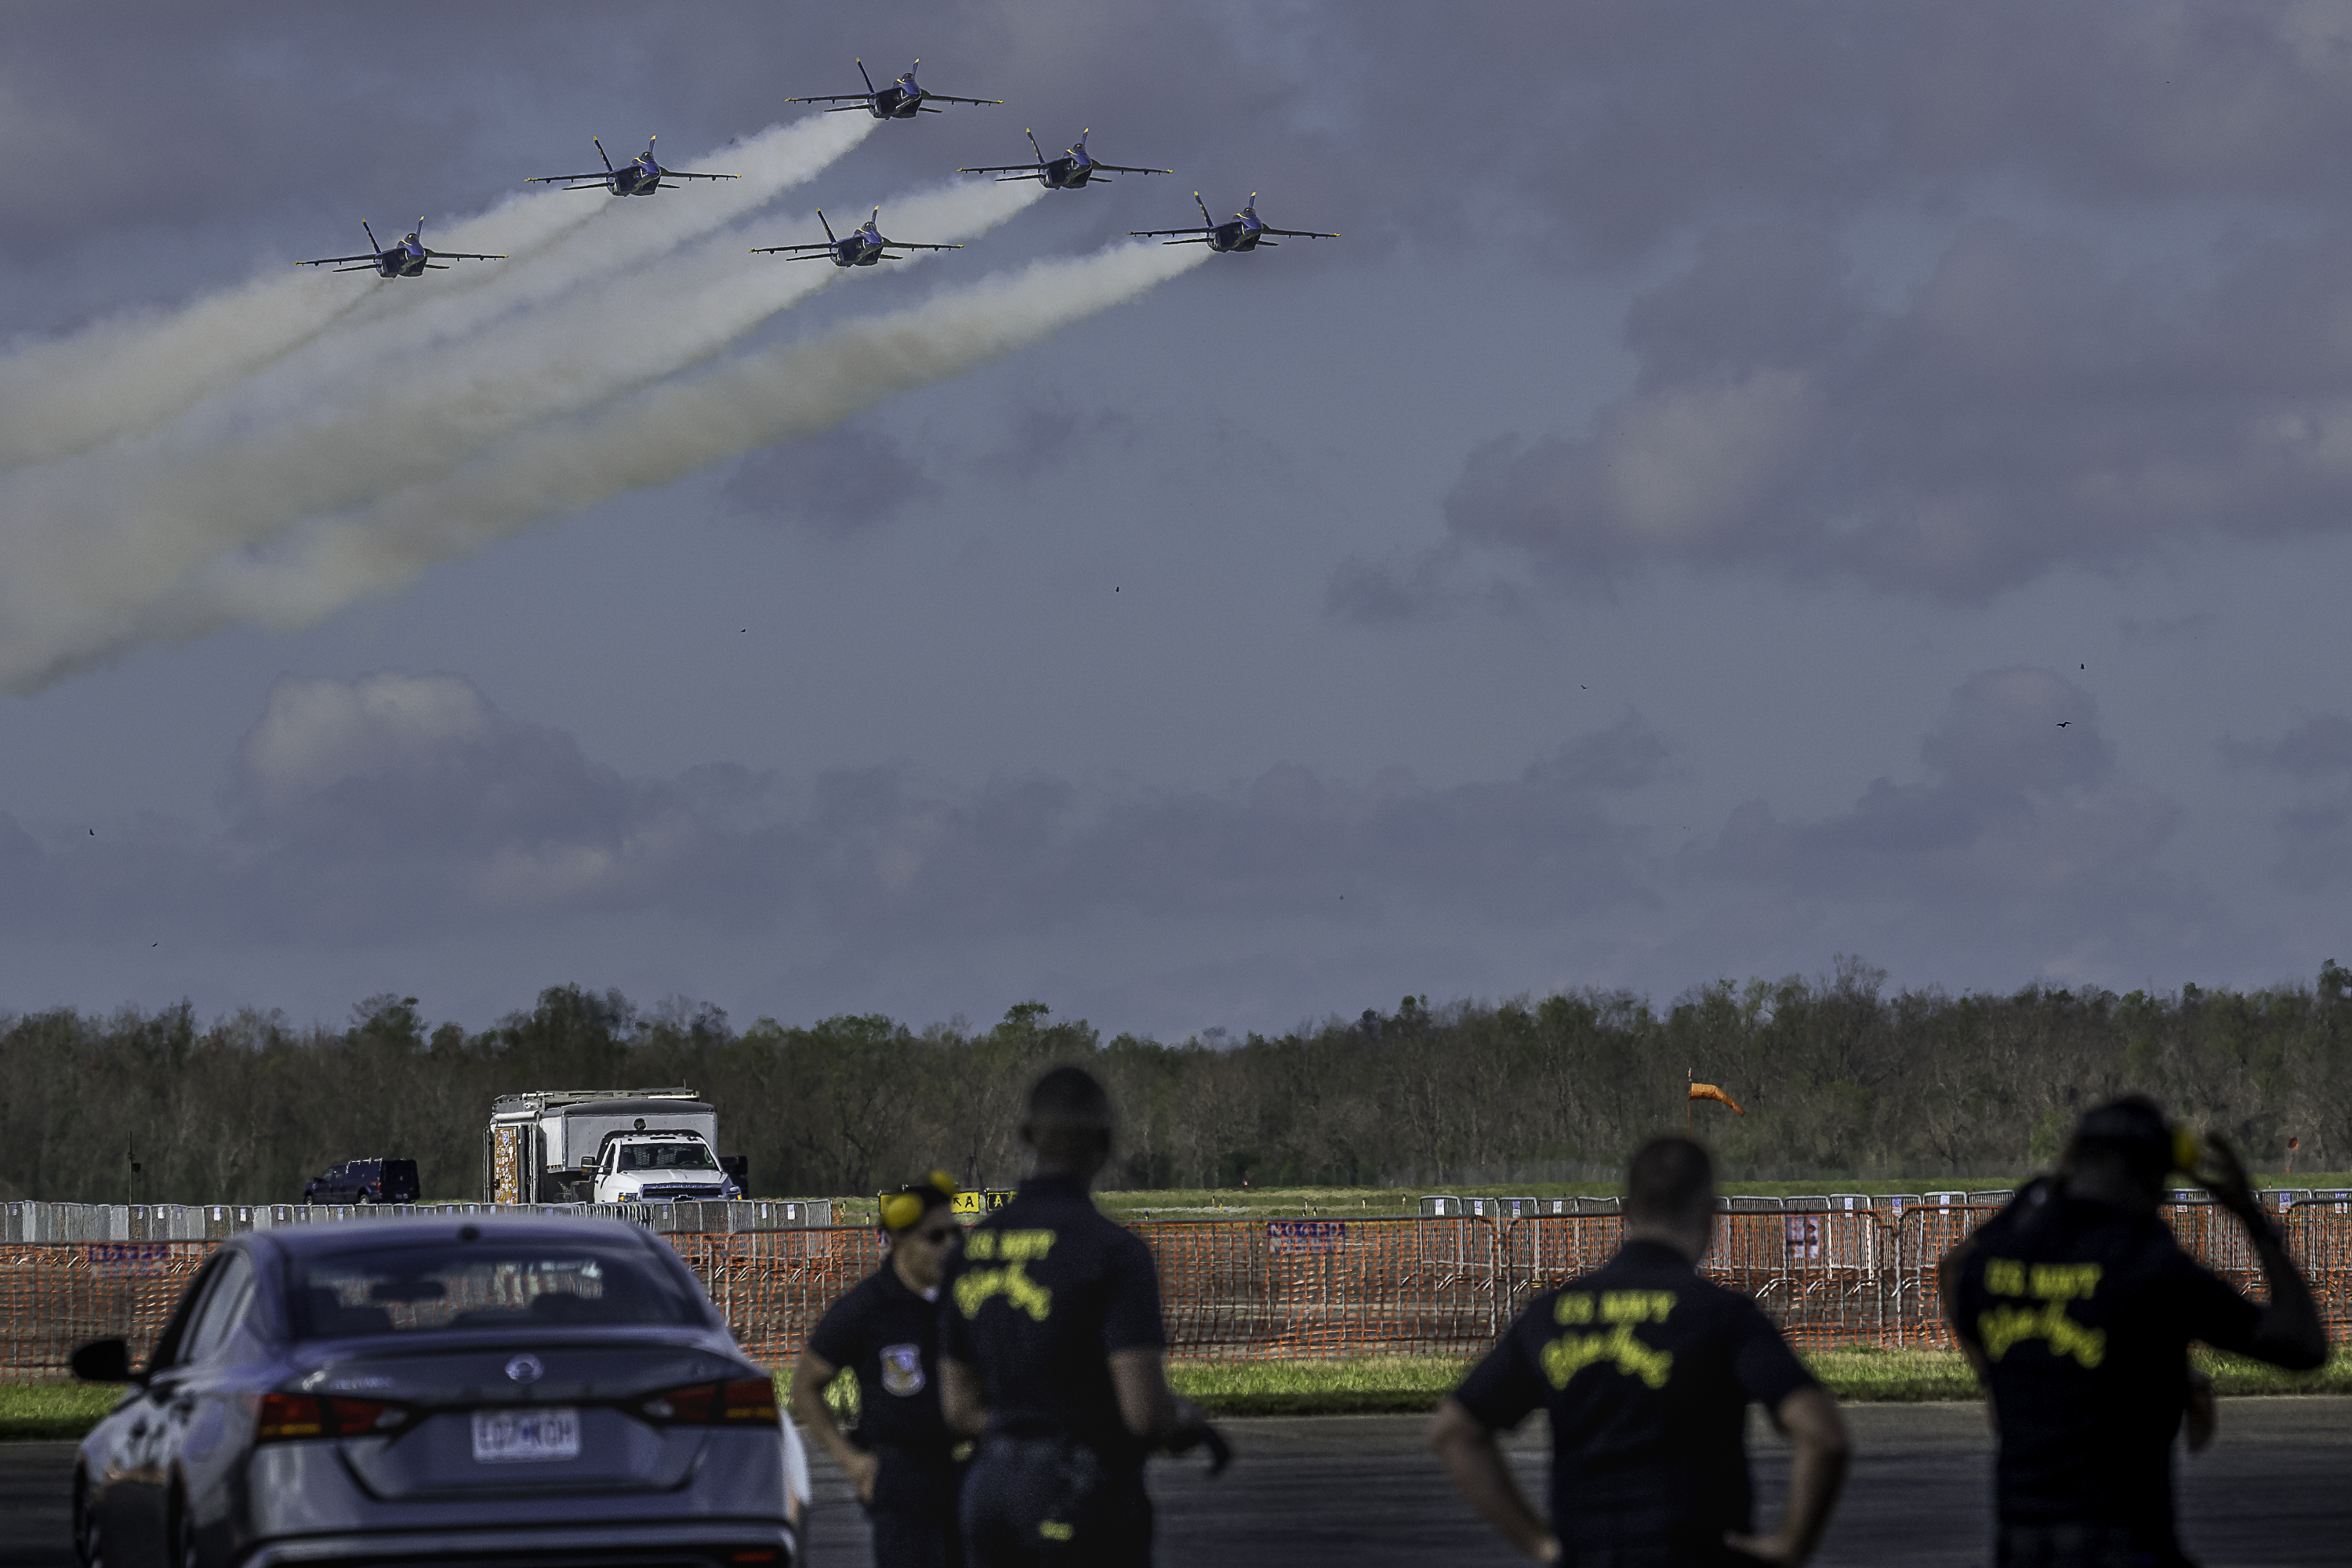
[93, 833]
[2064, 722]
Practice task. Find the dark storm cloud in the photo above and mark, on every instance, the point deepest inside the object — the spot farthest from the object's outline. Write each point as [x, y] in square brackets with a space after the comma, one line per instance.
[2031, 407]
[2021, 828]
[399, 805]
[365, 817]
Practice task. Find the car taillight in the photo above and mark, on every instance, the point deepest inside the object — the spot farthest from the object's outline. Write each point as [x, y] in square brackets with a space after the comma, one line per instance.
[745, 1402]
[285, 1418]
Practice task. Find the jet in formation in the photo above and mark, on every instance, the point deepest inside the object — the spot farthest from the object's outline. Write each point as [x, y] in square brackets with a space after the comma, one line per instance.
[640, 176]
[861, 246]
[902, 99]
[1069, 171]
[1243, 231]
[406, 258]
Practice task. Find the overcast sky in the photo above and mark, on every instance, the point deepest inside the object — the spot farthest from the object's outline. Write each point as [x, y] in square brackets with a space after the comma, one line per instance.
[1753, 484]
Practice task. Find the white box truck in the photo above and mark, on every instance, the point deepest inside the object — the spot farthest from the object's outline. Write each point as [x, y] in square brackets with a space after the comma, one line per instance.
[552, 1145]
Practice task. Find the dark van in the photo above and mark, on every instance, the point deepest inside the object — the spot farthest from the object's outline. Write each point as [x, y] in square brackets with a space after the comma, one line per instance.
[363, 1181]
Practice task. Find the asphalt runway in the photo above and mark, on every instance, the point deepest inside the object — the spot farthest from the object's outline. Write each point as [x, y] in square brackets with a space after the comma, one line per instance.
[2276, 1489]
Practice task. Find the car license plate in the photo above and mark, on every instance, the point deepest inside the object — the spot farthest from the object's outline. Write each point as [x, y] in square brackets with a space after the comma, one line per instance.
[502, 1436]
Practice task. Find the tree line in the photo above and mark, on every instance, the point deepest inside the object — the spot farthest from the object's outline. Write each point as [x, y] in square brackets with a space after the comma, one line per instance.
[1838, 1078]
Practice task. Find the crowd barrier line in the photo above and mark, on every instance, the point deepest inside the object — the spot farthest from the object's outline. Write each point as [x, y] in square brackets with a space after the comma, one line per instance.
[1267, 1290]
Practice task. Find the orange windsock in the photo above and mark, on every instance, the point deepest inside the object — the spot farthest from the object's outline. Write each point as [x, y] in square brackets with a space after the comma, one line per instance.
[1708, 1092]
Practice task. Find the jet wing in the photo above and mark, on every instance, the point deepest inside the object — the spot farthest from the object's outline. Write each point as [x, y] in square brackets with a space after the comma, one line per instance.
[950, 97]
[905, 244]
[1299, 233]
[1156, 233]
[331, 260]
[599, 175]
[682, 175]
[462, 255]
[835, 98]
[1123, 169]
[783, 249]
[1004, 169]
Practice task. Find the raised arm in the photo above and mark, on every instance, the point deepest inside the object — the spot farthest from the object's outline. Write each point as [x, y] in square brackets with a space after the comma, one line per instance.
[812, 1374]
[2290, 1334]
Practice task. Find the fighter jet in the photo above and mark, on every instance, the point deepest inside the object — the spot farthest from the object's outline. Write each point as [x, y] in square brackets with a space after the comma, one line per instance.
[408, 259]
[1243, 231]
[1067, 172]
[861, 246]
[640, 176]
[902, 99]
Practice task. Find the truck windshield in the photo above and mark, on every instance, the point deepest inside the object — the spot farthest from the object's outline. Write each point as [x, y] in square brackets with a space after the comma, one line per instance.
[479, 1284]
[667, 1157]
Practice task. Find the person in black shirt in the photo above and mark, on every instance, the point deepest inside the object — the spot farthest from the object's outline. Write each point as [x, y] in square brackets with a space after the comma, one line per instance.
[902, 1461]
[1647, 1371]
[2075, 1306]
[1050, 1350]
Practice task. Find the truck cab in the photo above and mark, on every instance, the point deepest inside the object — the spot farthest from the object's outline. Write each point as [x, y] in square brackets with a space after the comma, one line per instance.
[660, 1167]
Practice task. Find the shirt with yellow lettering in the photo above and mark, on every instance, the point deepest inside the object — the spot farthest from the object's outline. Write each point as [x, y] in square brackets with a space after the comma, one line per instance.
[1043, 1293]
[1646, 1369]
[2084, 1313]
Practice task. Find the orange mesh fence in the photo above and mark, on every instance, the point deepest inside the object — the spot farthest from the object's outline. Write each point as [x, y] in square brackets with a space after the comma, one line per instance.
[1241, 1290]
[774, 1285]
[56, 1295]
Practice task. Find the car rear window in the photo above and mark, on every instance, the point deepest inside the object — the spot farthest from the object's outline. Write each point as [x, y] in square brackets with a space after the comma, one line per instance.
[481, 1284]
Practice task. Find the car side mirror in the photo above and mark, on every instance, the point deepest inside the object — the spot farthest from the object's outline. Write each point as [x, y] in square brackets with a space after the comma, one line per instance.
[103, 1361]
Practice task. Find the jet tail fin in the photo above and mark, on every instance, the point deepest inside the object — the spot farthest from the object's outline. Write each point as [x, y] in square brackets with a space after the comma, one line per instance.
[1032, 145]
[371, 234]
[869, 80]
[1204, 210]
[602, 153]
[828, 227]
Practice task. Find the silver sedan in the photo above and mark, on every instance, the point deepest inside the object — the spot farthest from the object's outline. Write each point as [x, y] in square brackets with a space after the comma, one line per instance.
[492, 1392]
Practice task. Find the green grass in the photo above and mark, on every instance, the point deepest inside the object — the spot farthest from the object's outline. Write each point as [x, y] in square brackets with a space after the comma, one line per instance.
[30, 1410]
[1363, 1386]
[1407, 1383]
[1338, 1202]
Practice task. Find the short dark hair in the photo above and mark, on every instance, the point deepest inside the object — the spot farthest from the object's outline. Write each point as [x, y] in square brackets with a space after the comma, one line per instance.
[1069, 1114]
[2131, 1132]
[1671, 1182]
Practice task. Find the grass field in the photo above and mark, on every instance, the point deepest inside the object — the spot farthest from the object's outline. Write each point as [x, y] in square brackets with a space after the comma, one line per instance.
[1366, 1386]
[1308, 1202]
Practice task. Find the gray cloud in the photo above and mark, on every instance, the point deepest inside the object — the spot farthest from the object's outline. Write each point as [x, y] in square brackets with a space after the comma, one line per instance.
[2318, 748]
[2023, 828]
[2030, 408]
[397, 804]
[2314, 832]
[844, 482]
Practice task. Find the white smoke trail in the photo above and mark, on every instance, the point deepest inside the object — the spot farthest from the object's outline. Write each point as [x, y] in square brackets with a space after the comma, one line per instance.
[655, 437]
[130, 374]
[89, 546]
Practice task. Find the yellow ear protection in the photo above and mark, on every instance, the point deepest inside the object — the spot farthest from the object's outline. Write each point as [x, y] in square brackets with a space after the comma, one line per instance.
[2186, 1150]
[909, 1203]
